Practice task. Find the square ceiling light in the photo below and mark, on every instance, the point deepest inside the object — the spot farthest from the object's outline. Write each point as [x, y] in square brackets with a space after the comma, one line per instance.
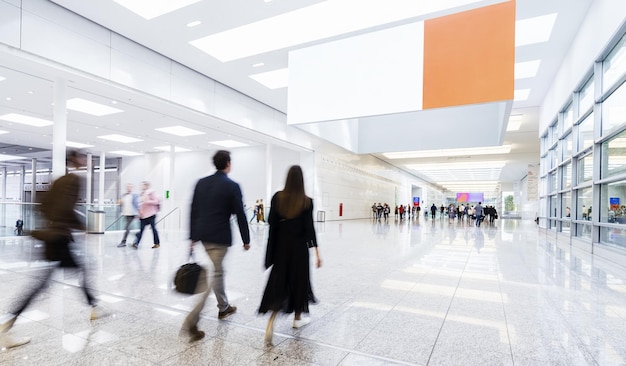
[169, 148]
[77, 145]
[149, 9]
[180, 131]
[126, 153]
[26, 120]
[304, 25]
[275, 79]
[228, 143]
[92, 108]
[2, 132]
[534, 30]
[119, 138]
[2, 78]
[521, 94]
[526, 69]
[515, 122]
[4, 157]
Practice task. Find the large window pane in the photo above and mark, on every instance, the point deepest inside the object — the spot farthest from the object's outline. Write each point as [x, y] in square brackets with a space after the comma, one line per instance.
[552, 181]
[583, 200]
[585, 97]
[566, 146]
[583, 231]
[553, 206]
[554, 156]
[614, 156]
[554, 132]
[585, 133]
[585, 168]
[613, 202]
[614, 109]
[613, 236]
[568, 117]
[566, 181]
[615, 65]
[566, 204]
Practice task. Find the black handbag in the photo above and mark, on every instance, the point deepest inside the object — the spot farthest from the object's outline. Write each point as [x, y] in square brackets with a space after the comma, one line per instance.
[191, 278]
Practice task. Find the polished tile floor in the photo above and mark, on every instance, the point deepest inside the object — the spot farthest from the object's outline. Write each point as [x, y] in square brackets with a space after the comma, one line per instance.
[411, 293]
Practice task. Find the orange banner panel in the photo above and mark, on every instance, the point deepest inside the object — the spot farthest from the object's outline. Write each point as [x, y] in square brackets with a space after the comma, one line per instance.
[469, 57]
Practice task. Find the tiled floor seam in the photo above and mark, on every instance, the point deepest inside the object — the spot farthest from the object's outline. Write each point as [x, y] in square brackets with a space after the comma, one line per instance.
[443, 322]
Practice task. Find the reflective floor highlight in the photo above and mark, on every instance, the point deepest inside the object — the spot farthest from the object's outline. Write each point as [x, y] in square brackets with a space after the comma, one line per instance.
[428, 292]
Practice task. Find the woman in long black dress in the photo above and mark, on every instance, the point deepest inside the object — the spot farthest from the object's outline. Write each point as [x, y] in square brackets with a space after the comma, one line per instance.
[291, 235]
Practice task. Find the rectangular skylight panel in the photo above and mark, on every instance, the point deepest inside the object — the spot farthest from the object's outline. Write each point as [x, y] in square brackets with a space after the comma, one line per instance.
[275, 79]
[2, 78]
[77, 145]
[319, 21]
[89, 107]
[521, 94]
[149, 9]
[26, 120]
[526, 69]
[2, 132]
[179, 131]
[169, 148]
[4, 157]
[504, 149]
[126, 153]
[534, 30]
[228, 143]
[119, 138]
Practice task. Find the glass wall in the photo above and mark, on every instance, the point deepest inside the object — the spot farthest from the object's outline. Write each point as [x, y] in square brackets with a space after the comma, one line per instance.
[583, 157]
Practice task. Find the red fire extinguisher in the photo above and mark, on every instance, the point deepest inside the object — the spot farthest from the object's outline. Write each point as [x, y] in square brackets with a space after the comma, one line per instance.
[341, 209]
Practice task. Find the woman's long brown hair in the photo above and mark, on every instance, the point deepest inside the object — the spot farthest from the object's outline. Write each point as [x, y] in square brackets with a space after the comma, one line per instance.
[292, 200]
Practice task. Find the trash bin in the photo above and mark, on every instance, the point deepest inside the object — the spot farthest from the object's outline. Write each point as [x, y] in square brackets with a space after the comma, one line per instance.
[321, 216]
[95, 221]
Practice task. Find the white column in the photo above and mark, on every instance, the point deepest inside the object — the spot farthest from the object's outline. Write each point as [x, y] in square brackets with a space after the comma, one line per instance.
[33, 192]
[22, 181]
[59, 129]
[101, 180]
[171, 179]
[89, 180]
[4, 184]
[268, 178]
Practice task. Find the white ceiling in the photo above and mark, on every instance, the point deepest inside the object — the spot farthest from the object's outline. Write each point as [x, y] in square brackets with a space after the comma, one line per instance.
[169, 35]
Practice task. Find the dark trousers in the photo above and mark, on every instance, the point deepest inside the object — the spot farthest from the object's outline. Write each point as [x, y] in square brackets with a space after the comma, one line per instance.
[129, 220]
[145, 222]
[64, 258]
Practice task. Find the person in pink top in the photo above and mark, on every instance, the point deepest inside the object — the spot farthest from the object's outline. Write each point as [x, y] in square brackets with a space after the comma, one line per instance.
[149, 205]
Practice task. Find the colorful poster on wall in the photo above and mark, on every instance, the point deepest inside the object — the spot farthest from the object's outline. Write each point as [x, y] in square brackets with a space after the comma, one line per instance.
[614, 202]
[416, 201]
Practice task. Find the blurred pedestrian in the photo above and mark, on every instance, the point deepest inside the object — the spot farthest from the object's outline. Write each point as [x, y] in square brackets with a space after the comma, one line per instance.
[130, 207]
[149, 205]
[58, 209]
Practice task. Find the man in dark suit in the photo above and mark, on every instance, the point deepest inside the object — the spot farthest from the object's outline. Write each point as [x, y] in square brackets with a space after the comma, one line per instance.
[215, 199]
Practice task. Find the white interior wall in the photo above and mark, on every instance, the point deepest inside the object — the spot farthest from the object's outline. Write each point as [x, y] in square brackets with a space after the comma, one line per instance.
[603, 20]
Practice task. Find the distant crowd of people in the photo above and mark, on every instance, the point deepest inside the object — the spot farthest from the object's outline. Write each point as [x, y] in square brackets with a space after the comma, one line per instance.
[382, 211]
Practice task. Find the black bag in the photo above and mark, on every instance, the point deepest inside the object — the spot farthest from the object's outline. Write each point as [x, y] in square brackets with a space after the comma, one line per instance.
[190, 279]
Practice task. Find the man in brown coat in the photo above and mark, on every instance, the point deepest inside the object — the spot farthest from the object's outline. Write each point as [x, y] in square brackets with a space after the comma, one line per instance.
[58, 209]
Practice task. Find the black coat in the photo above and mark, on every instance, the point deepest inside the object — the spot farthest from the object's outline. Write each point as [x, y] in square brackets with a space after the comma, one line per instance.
[215, 199]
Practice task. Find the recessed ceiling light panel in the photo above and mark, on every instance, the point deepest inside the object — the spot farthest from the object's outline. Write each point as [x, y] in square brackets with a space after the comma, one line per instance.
[194, 24]
[5, 157]
[119, 138]
[521, 94]
[534, 30]
[275, 79]
[26, 120]
[228, 143]
[149, 9]
[126, 153]
[504, 149]
[89, 107]
[526, 69]
[169, 148]
[180, 131]
[77, 145]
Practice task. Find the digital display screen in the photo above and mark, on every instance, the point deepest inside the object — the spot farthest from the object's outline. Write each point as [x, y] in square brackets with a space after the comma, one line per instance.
[470, 197]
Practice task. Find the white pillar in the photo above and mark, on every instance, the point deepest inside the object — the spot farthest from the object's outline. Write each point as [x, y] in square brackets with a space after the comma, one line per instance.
[4, 184]
[101, 180]
[268, 178]
[33, 192]
[89, 180]
[22, 182]
[59, 129]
